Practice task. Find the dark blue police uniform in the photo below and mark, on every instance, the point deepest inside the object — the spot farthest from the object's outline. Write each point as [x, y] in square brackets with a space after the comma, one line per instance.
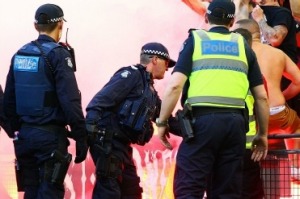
[40, 100]
[111, 152]
[4, 123]
[215, 134]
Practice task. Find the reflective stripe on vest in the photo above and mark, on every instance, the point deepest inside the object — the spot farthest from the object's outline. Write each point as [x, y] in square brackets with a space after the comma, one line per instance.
[218, 59]
[252, 123]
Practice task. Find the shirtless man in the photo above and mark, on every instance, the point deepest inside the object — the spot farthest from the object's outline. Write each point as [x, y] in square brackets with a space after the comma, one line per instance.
[274, 64]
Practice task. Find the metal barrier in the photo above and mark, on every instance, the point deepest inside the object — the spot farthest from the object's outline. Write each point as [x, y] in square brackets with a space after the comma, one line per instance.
[281, 180]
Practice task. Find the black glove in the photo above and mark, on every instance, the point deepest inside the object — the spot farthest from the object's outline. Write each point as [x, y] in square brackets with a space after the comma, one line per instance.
[174, 126]
[92, 133]
[81, 150]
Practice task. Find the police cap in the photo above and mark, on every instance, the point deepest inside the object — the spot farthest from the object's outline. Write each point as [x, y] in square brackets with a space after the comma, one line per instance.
[224, 9]
[49, 13]
[154, 48]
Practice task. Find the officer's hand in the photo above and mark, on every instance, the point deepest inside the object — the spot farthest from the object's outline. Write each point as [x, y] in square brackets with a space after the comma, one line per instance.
[92, 132]
[259, 148]
[163, 134]
[81, 150]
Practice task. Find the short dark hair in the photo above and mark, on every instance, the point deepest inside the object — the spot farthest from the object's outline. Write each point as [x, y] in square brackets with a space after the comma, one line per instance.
[245, 33]
[46, 27]
[218, 21]
[145, 59]
[249, 24]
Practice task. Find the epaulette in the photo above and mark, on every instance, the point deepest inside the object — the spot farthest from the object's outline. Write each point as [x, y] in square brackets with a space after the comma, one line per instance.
[134, 67]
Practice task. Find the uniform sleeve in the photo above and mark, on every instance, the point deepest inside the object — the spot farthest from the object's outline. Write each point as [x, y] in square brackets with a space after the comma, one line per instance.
[67, 91]
[184, 62]
[9, 103]
[254, 74]
[4, 122]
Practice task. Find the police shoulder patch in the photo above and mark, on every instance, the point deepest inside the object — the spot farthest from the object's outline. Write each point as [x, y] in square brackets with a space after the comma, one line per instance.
[125, 74]
[69, 62]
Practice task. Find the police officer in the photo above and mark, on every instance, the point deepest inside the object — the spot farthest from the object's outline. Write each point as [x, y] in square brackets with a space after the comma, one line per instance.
[252, 181]
[42, 97]
[120, 114]
[219, 67]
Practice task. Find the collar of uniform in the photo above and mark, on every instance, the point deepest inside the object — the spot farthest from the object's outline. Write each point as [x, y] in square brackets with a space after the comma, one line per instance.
[149, 76]
[46, 38]
[219, 29]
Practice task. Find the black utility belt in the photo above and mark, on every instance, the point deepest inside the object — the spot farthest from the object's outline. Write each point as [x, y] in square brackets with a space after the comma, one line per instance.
[45, 127]
[204, 110]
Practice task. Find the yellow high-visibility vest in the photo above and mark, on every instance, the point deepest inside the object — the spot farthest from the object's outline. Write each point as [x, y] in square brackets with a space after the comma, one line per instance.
[252, 123]
[219, 73]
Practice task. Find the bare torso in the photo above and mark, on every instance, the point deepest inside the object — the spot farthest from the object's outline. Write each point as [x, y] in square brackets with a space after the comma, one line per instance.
[272, 65]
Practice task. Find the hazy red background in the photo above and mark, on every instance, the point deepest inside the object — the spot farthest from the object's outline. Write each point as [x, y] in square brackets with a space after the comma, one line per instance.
[106, 35]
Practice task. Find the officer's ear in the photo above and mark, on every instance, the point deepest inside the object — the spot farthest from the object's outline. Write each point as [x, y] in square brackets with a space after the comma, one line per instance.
[231, 22]
[205, 19]
[60, 25]
[154, 60]
[35, 26]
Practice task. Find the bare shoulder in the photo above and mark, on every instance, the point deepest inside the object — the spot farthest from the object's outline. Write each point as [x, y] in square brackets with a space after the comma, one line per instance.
[267, 55]
[273, 51]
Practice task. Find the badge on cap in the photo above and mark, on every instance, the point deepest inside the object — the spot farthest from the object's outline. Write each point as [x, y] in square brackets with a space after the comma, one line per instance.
[125, 74]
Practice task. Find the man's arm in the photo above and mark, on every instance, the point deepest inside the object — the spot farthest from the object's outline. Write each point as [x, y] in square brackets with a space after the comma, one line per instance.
[295, 8]
[274, 35]
[199, 6]
[171, 96]
[261, 108]
[292, 73]
[260, 142]
[9, 103]
[243, 9]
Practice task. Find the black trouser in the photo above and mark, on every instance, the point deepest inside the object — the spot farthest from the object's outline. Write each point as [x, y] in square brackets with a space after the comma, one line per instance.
[217, 152]
[109, 184]
[252, 182]
[33, 149]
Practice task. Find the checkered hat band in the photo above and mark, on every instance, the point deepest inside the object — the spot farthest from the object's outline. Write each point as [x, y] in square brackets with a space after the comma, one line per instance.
[156, 52]
[54, 20]
[228, 15]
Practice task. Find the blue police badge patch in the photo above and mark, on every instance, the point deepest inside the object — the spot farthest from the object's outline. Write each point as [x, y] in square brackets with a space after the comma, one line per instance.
[26, 63]
[125, 74]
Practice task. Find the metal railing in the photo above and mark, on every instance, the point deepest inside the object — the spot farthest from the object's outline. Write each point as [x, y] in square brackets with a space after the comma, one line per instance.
[281, 179]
